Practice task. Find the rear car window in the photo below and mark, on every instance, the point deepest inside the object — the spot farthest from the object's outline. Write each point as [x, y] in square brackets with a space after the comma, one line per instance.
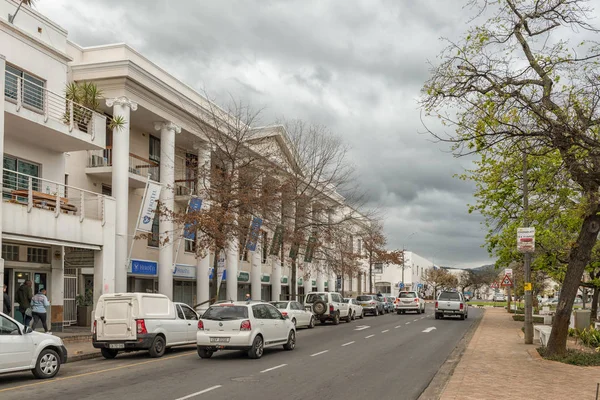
[408, 295]
[282, 305]
[311, 298]
[364, 298]
[222, 313]
[449, 296]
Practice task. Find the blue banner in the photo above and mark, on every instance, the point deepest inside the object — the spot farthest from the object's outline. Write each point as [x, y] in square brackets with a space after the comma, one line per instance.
[254, 234]
[141, 267]
[189, 231]
[211, 274]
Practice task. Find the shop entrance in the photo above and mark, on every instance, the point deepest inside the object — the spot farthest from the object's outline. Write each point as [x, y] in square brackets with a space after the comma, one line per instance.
[39, 280]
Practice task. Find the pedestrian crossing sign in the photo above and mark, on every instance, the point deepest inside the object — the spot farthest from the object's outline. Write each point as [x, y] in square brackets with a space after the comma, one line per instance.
[506, 281]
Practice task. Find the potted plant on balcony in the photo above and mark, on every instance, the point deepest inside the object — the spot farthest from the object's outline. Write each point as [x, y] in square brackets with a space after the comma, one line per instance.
[85, 97]
[85, 303]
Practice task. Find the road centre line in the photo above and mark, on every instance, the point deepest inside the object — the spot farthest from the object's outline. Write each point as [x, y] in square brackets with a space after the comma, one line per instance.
[370, 336]
[271, 369]
[387, 330]
[347, 344]
[189, 396]
[319, 353]
[415, 320]
[399, 326]
[407, 323]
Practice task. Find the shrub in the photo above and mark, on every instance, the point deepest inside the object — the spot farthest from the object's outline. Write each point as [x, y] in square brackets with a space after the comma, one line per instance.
[574, 357]
[521, 317]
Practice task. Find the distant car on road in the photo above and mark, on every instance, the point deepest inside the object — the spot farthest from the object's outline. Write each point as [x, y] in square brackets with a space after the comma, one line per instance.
[499, 297]
[410, 301]
[247, 326]
[298, 315]
[355, 308]
[451, 303]
[371, 304]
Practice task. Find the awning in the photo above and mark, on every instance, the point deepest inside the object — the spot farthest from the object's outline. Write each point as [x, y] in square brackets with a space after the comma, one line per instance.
[48, 242]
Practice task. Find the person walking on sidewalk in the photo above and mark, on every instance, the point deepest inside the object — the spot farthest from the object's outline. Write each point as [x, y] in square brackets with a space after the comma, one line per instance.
[23, 297]
[39, 302]
[6, 306]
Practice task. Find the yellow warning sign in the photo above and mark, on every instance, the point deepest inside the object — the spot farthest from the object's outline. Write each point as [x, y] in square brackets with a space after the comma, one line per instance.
[527, 286]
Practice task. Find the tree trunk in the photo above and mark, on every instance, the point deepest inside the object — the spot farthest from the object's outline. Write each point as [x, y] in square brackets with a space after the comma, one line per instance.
[215, 277]
[578, 259]
[371, 272]
[594, 307]
[294, 282]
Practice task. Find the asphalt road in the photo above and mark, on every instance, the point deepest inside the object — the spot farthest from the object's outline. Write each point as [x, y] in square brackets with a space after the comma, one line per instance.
[386, 357]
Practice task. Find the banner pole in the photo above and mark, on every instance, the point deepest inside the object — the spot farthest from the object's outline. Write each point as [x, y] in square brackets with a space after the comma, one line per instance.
[187, 209]
[137, 221]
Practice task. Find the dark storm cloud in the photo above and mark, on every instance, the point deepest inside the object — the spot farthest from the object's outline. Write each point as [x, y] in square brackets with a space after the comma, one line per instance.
[355, 66]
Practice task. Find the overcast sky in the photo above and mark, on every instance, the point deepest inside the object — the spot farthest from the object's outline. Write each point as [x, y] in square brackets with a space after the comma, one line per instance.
[355, 66]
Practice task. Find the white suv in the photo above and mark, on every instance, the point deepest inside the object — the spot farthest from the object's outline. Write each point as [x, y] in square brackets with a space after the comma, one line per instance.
[248, 326]
[328, 306]
[410, 301]
[22, 349]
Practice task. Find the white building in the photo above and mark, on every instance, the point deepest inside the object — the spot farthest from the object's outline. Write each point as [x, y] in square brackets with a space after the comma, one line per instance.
[411, 273]
[50, 227]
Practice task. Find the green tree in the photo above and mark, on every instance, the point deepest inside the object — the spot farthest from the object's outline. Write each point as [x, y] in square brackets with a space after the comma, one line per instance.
[515, 84]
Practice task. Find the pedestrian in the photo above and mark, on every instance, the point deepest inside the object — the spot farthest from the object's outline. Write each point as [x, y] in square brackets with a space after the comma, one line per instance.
[23, 297]
[39, 302]
[6, 299]
[248, 297]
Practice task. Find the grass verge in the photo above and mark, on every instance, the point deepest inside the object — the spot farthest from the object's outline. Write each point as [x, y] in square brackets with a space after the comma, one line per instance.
[574, 357]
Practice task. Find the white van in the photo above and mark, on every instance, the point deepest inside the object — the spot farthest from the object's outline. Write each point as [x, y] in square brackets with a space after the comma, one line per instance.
[142, 321]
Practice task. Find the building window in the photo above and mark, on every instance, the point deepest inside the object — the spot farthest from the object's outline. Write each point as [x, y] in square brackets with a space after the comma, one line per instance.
[190, 246]
[32, 88]
[15, 171]
[153, 239]
[38, 255]
[106, 190]
[154, 150]
[265, 246]
[10, 252]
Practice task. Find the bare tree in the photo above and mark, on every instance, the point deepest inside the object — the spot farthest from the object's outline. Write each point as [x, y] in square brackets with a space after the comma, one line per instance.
[515, 82]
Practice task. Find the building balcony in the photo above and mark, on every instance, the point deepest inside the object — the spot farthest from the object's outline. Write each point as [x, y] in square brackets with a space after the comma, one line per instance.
[37, 207]
[99, 165]
[184, 189]
[44, 118]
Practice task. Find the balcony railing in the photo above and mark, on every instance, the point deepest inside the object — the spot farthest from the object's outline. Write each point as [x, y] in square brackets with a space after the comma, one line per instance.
[33, 192]
[137, 165]
[36, 98]
[185, 187]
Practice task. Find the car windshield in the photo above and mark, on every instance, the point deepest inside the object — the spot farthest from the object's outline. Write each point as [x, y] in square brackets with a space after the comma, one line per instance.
[282, 305]
[364, 298]
[224, 313]
[451, 296]
[311, 298]
[408, 295]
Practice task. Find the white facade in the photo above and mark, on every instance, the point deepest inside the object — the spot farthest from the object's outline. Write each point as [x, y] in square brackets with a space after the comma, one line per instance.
[414, 271]
[50, 228]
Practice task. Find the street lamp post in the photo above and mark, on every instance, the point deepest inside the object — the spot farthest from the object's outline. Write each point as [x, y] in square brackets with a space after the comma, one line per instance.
[403, 261]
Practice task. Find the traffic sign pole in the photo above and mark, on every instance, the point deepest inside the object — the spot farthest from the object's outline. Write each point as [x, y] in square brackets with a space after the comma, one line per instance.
[528, 324]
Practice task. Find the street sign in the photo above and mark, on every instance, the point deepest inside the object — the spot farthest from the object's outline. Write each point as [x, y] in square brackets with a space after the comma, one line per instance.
[506, 281]
[528, 286]
[401, 285]
[526, 240]
[420, 285]
[508, 271]
[494, 285]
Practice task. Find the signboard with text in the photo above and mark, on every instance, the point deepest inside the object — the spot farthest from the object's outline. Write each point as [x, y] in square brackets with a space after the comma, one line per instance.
[254, 234]
[189, 231]
[149, 206]
[526, 240]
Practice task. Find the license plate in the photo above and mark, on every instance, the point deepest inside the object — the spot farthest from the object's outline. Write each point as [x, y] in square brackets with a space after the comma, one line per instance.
[116, 346]
[219, 340]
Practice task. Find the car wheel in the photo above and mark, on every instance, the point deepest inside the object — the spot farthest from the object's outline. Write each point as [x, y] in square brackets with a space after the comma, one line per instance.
[203, 352]
[353, 316]
[376, 313]
[336, 318]
[47, 364]
[311, 324]
[158, 347]
[462, 317]
[291, 343]
[256, 351]
[362, 314]
[109, 354]
[349, 317]
[294, 322]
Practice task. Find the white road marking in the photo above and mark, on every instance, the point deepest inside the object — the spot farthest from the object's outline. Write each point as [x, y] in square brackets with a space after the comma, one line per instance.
[271, 369]
[399, 326]
[387, 330]
[347, 344]
[362, 327]
[429, 329]
[370, 336]
[407, 323]
[422, 317]
[319, 353]
[415, 320]
[189, 396]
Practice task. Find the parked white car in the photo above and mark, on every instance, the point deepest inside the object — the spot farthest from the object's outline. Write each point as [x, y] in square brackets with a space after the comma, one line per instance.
[298, 315]
[499, 296]
[327, 306]
[248, 326]
[141, 321]
[410, 301]
[22, 349]
[356, 310]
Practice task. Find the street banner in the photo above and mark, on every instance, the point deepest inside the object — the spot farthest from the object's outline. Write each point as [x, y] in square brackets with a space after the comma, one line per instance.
[277, 241]
[221, 270]
[310, 249]
[189, 231]
[294, 250]
[148, 207]
[254, 234]
[526, 240]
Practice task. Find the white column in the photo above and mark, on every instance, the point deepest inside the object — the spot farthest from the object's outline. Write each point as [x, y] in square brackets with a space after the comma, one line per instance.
[231, 264]
[255, 273]
[167, 200]
[275, 278]
[2, 79]
[122, 107]
[57, 289]
[203, 264]
[331, 282]
[320, 278]
[104, 260]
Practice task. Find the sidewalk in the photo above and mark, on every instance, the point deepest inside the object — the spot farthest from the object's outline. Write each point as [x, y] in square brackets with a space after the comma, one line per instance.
[497, 365]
